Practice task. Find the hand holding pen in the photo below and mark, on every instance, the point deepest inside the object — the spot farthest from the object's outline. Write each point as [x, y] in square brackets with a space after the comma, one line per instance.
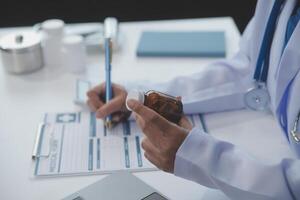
[107, 99]
[115, 107]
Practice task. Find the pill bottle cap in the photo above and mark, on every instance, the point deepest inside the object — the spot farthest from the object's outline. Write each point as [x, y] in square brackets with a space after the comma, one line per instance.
[136, 95]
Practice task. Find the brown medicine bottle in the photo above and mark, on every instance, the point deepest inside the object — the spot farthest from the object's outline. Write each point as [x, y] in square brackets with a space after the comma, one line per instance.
[167, 106]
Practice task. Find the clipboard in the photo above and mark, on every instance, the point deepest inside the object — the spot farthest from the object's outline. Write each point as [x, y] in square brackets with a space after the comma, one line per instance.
[37, 143]
[75, 143]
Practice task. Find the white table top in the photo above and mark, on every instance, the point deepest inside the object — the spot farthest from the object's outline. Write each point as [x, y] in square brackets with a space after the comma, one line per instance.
[24, 99]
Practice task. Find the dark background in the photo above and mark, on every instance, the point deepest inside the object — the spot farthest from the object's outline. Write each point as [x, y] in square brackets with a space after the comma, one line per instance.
[28, 12]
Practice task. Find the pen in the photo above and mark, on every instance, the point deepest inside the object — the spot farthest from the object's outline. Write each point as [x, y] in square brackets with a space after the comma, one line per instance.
[108, 88]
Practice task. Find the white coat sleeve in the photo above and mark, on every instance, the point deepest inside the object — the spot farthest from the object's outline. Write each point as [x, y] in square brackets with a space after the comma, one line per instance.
[221, 165]
[216, 87]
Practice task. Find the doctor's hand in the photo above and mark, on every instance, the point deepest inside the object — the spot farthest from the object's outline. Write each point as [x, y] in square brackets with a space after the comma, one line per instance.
[116, 106]
[163, 137]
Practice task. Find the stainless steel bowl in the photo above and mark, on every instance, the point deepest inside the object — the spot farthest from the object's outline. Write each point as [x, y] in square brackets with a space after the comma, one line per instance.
[21, 52]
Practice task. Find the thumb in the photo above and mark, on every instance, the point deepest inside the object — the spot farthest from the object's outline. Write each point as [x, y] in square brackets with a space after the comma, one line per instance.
[138, 107]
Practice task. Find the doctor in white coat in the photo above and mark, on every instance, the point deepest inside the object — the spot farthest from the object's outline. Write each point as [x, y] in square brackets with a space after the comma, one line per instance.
[190, 154]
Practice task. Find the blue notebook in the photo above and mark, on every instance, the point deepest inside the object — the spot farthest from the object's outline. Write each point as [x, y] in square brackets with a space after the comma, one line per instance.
[182, 44]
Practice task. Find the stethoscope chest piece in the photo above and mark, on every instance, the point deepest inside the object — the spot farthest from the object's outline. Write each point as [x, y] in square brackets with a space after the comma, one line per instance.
[257, 98]
[294, 132]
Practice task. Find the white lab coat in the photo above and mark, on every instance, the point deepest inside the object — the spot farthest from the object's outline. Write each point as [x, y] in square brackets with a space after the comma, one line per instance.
[220, 164]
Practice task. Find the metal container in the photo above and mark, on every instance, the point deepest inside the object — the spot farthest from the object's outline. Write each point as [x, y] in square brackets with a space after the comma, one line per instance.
[21, 52]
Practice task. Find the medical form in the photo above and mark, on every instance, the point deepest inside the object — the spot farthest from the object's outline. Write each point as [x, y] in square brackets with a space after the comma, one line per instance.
[76, 143]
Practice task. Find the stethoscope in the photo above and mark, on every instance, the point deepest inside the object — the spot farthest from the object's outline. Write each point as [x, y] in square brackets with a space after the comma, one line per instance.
[257, 98]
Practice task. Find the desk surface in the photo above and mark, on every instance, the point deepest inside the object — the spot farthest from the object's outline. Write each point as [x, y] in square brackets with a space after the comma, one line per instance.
[24, 99]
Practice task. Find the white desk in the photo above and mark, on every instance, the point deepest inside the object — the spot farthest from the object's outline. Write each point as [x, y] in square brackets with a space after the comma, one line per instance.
[23, 100]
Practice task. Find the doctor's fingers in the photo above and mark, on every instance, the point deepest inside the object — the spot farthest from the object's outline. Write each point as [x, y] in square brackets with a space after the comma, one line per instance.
[153, 132]
[94, 102]
[92, 107]
[185, 123]
[140, 109]
[97, 92]
[150, 117]
[112, 106]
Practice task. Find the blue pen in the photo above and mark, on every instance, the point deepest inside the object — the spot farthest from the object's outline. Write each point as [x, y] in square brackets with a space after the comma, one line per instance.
[108, 87]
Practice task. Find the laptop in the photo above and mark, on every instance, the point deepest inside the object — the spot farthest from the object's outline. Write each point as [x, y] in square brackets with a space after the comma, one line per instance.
[117, 186]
